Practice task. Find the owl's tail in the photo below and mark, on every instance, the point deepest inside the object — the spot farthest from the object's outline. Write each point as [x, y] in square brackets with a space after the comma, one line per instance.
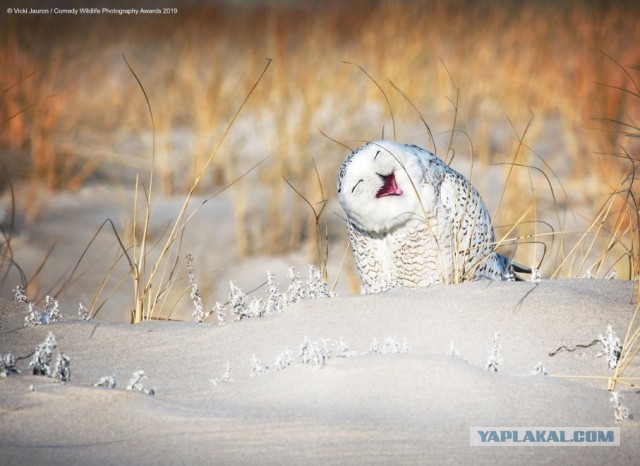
[501, 268]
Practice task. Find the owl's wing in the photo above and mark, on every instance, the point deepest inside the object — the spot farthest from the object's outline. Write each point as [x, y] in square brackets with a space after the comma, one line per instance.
[472, 238]
[374, 261]
[457, 218]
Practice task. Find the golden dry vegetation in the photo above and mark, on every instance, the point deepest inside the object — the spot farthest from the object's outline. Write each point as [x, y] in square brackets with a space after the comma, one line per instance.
[514, 83]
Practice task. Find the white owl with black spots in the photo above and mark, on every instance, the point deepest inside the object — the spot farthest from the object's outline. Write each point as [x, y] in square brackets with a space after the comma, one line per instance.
[414, 221]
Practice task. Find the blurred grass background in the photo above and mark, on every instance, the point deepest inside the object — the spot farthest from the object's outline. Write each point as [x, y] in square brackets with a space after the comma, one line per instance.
[482, 74]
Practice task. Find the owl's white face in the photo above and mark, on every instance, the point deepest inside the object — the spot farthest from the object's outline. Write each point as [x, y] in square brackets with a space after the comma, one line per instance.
[379, 186]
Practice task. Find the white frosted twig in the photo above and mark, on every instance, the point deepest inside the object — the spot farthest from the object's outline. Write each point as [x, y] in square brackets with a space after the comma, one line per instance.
[495, 356]
[108, 381]
[62, 368]
[238, 300]
[311, 354]
[257, 368]
[611, 347]
[135, 383]
[453, 351]
[225, 377]
[256, 308]
[218, 310]
[539, 370]
[295, 291]
[33, 316]
[198, 310]
[40, 364]
[20, 295]
[620, 412]
[50, 313]
[283, 360]
[7, 365]
[374, 347]
[536, 275]
[83, 313]
[317, 285]
[344, 351]
[275, 299]
[392, 346]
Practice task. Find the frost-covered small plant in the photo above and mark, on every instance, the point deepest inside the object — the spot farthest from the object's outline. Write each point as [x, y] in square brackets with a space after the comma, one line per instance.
[33, 316]
[225, 377]
[7, 364]
[539, 370]
[392, 346]
[404, 347]
[51, 312]
[304, 351]
[20, 295]
[453, 351]
[611, 347]
[257, 368]
[295, 290]
[40, 363]
[620, 411]
[83, 313]
[135, 383]
[283, 360]
[374, 347]
[108, 381]
[238, 300]
[536, 276]
[495, 356]
[326, 342]
[344, 351]
[317, 285]
[218, 310]
[62, 368]
[198, 310]
[256, 308]
[275, 299]
[313, 355]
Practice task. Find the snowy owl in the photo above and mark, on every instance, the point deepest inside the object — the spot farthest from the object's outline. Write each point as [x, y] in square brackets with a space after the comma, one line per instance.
[414, 221]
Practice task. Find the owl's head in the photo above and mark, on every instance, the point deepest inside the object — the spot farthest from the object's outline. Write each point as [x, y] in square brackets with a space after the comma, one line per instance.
[379, 185]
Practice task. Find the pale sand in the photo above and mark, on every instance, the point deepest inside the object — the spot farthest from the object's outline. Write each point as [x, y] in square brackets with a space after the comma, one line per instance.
[411, 408]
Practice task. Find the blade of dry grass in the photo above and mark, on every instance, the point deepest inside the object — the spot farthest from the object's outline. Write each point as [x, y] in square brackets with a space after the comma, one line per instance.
[384, 94]
[143, 280]
[432, 141]
[322, 252]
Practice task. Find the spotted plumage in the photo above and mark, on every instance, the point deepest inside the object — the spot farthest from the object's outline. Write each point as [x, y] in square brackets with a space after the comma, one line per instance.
[414, 221]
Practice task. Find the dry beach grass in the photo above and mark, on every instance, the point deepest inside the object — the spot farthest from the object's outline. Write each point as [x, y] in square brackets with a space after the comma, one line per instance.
[72, 112]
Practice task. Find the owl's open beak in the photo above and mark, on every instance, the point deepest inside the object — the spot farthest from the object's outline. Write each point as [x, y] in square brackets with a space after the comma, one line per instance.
[389, 186]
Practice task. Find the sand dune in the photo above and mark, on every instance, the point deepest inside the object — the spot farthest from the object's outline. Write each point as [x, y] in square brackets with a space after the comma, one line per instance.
[370, 408]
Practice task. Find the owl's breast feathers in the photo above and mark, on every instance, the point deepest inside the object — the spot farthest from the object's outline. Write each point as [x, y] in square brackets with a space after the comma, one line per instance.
[374, 262]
